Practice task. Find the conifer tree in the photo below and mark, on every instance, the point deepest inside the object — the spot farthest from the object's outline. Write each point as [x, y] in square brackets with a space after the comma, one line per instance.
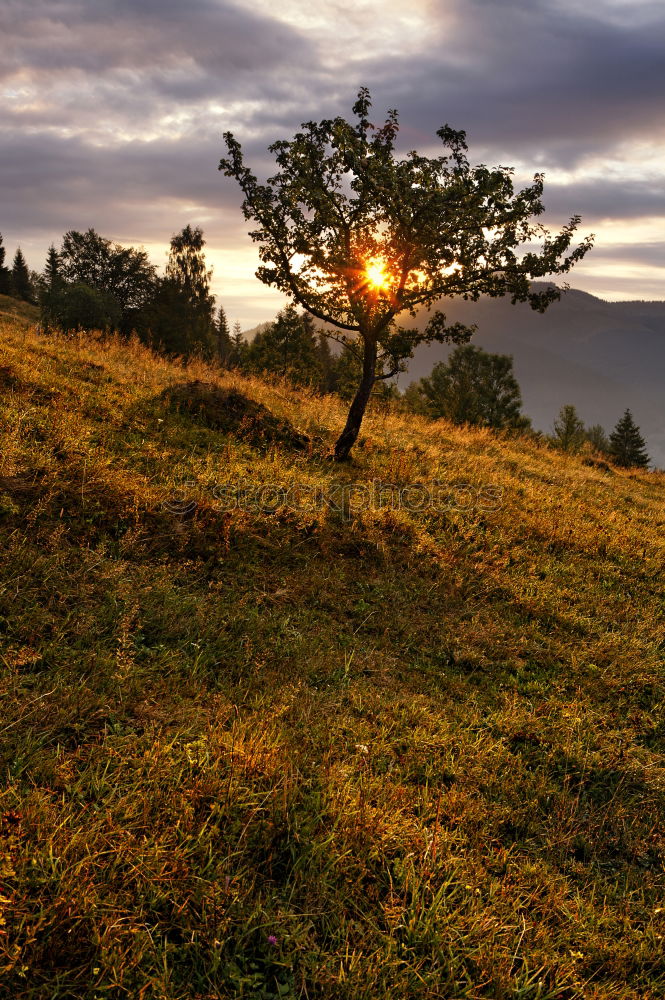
[52, 277]
[224, 344]
[239, 347]
[21, 284]
[5, 273]
[327, 363]
[49, 288]
[627, 446]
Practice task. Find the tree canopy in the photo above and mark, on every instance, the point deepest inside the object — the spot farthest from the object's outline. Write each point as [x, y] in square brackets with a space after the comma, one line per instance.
[358, 236]
[181, 317]
[288, 346]
[124, 273]
[475, 387]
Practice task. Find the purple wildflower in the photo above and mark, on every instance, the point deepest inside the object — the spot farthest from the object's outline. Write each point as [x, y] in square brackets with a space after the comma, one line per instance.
[272, 940]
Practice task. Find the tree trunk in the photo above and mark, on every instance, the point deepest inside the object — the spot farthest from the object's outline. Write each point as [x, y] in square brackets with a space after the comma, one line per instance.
[349, 435]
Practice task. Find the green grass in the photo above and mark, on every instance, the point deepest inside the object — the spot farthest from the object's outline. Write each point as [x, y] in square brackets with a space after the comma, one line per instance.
[293, 754]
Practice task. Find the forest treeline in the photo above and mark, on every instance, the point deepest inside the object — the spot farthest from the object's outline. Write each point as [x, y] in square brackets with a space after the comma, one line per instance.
[92, 283]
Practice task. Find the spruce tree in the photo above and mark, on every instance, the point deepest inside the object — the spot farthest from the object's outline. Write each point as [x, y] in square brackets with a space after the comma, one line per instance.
[223, 335]
[239, 347]
[5, 273]
[49, 288]
[327, 363]
[21, 284]
[52, 276]
[627, 446]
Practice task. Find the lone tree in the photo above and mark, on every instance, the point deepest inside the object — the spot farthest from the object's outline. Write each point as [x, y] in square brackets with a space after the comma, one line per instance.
[475, 387]
[357, 236]
[627, 446]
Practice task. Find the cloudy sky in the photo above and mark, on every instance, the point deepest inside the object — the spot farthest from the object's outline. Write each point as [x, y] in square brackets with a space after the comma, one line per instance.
[112, 114]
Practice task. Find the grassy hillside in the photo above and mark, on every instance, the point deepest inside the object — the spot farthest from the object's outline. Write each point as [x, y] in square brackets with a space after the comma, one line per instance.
[328, 750]
[14, 311]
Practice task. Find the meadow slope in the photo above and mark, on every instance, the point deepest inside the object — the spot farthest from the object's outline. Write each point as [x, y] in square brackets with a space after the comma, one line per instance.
[310, 748]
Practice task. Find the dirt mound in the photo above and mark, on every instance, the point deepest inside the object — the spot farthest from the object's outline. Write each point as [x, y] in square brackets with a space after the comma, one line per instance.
[229, 411]
[8, 377]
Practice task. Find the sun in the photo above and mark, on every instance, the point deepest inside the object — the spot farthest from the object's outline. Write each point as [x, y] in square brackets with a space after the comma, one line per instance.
[376, 275]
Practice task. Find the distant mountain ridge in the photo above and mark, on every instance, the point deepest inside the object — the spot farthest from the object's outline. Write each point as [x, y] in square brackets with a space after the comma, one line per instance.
[600, 356]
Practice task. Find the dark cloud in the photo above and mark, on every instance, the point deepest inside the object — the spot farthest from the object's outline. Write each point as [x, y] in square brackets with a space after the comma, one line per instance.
[604, 198]
[643, 254]
[524, 79]
[219, 40]
[114, 112]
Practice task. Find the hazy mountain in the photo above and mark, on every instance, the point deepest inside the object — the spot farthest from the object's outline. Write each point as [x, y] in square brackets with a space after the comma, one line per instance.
[600, 356]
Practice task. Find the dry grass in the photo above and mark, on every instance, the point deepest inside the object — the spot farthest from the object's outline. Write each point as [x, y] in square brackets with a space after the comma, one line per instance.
[363, 754]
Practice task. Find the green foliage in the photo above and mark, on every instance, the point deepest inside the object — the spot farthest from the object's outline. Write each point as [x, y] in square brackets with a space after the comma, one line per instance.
[414, 399]
[287, 347]
[52, 278]
[239, 348]
[475, 387]
[438, 226]
[627, 446]
[77, 306]
[50, 286]
[21, 284]
[112, 270]
[568, 429]
[223, 342]
[598, 439]
[181, 316]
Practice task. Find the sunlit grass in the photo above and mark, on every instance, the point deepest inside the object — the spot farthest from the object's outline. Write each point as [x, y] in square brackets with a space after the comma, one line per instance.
[288, 754]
